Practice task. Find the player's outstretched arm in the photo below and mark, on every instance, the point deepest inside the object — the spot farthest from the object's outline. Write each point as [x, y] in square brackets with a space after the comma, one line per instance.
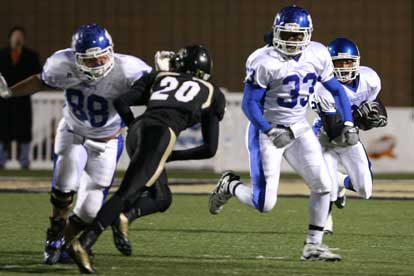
[28, 86]
[210, 132]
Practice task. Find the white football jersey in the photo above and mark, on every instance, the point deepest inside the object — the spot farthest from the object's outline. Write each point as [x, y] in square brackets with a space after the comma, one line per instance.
[88, 108]
[289, 82]
[367, 88]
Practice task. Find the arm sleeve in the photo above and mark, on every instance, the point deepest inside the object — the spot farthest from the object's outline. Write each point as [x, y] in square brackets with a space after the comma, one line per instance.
[253, 107]
[210, 132]
[137, 95]
[341, 100]
[332, 125]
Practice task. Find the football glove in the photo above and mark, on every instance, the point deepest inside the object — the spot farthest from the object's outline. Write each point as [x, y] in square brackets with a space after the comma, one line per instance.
[348, 137]
[5, 91]
[280, 136]
[369, 115]
[162, 60]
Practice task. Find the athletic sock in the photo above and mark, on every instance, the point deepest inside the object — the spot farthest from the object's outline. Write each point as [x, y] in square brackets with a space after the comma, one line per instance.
[345, 181]
[315, 234]
[318, 212]
[243, 193]
[348, 184]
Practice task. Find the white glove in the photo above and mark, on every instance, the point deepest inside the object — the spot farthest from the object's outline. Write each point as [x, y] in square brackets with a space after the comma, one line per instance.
[5, 91]
[280, 137]
[162, 60]
[348, 137]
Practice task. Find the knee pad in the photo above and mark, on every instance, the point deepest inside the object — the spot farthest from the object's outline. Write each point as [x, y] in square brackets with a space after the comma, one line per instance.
[60, 199]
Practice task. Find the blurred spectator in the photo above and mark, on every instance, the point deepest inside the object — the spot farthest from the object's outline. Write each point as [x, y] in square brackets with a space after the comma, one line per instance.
[17, 63]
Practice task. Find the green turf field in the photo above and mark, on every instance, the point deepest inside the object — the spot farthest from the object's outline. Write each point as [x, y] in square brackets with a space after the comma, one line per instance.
[374, 238]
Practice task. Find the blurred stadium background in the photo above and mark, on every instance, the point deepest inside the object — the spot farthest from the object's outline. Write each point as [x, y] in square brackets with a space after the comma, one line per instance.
[231, 29]
[383, 31]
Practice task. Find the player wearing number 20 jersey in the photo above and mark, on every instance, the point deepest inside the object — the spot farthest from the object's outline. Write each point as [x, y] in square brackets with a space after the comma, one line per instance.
[88, 137]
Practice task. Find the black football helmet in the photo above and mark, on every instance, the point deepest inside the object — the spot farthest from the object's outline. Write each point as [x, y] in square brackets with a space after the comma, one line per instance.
[195, 60]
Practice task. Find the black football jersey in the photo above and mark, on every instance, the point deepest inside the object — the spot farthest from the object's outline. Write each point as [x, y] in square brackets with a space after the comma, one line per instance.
[180, 100]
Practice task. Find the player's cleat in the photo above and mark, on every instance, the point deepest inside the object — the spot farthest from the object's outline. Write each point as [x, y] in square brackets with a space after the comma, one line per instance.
[221, 193]
[54, 241]
[318, 252]
[53, 244]
[328, 229]
[120, 234]
[81, 257]
[341, 199]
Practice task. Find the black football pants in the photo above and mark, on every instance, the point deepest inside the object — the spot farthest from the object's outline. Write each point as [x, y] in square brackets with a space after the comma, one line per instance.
[149, 143]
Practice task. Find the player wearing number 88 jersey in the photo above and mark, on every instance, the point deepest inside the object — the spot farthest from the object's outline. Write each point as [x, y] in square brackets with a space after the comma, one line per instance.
[280, 78]
[88, 138]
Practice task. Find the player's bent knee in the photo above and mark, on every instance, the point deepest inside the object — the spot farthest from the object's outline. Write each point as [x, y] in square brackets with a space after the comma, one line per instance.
[267, 206]
[165, 203]
[61, 200]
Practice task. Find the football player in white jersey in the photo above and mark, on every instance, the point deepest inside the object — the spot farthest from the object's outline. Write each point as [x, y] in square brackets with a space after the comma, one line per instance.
[280, 78]
[89, 136]
[362, 86]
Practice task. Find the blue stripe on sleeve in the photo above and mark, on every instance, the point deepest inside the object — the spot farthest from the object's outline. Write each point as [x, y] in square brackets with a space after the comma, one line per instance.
[252, 106]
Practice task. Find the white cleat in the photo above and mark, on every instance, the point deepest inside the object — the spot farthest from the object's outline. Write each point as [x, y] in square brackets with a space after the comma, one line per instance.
[318, 252]
[328, 229]
[221, 193]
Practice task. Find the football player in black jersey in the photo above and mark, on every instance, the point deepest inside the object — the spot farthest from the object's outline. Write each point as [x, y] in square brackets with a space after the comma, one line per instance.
[176, 100]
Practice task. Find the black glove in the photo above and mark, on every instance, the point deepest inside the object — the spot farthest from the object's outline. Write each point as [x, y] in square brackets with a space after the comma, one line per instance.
[370, 115]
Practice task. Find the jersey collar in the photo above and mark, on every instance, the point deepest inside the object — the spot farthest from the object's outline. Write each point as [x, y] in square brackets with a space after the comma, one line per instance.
[354, 84]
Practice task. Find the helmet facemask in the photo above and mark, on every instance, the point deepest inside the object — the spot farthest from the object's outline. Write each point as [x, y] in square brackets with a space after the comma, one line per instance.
[88, 62]
[346, 73]
[291, 47]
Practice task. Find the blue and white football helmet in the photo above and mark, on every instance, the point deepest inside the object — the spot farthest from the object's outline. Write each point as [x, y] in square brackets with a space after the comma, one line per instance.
[91, 42]
[292, 19]
[342, 48]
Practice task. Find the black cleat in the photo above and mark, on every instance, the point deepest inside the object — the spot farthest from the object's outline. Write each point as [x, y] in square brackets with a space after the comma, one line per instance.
[81, 257]
[120, 234]
[54, 241]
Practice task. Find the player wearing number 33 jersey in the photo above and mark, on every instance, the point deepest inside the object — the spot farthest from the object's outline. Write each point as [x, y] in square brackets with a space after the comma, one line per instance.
[88, 137]
[280, 78]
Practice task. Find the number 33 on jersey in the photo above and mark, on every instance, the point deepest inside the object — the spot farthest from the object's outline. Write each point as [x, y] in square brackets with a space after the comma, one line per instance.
[288, 81]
